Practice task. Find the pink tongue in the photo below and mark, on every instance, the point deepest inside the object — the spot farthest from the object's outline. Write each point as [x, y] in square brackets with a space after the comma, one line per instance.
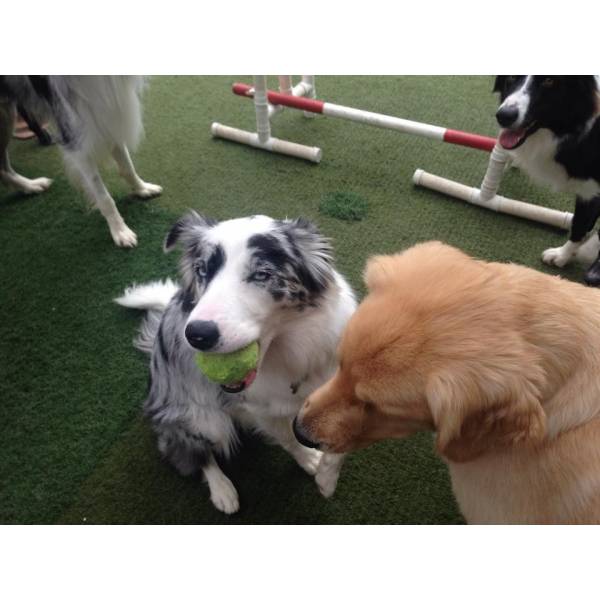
[250, 377]
[510, 138]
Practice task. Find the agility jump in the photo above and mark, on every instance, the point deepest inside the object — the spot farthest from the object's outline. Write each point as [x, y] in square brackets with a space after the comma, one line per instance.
[267, 103]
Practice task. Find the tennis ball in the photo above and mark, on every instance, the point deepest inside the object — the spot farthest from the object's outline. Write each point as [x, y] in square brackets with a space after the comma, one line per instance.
[228, 368]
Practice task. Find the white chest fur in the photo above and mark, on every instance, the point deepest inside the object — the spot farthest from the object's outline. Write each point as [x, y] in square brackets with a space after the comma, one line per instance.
[536, 158]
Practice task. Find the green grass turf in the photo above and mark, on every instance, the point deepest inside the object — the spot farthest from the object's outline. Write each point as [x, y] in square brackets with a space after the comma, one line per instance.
[74, 446]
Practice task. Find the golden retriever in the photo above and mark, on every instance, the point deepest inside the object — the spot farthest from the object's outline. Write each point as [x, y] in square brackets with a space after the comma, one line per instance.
[501, 361]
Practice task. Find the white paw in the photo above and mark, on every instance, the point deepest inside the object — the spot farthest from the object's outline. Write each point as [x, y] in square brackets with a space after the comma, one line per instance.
[558, 257]
[148, 190]
[328, 473]
[308, 459]
[327, 481]
[123, 236]
[35, 186]
[224, 496]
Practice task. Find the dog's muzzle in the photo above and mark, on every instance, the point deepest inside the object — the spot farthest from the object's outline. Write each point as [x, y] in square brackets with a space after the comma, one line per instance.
[301, 435]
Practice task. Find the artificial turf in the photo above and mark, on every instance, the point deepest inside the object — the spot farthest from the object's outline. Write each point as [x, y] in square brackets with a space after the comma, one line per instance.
[75, 448]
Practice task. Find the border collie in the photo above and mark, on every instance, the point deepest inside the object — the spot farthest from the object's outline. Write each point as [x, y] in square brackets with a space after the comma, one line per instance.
[95, 117]
[242, 280]
[551, 126]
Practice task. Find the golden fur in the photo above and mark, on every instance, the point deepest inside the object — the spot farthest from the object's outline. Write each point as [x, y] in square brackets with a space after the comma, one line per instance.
[501, 361]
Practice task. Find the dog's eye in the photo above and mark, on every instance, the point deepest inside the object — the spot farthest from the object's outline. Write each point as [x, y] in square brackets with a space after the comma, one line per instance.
[261, 275]
[201, 268]
[548, 82]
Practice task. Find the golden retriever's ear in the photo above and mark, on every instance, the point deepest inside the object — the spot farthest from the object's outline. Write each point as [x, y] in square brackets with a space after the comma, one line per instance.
[378, 271]
[482, 408]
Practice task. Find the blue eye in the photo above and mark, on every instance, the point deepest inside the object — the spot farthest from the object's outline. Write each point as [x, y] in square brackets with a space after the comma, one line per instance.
[201, 269]
[261, 275]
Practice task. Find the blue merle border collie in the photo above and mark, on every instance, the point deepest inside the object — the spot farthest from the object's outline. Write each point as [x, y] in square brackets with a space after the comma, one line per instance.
[96, 118]
[242, 280]
[551, 128]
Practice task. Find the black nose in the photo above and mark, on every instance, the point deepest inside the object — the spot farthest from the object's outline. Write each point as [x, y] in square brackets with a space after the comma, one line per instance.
[301, 436]
[507, 115]
[203, 335]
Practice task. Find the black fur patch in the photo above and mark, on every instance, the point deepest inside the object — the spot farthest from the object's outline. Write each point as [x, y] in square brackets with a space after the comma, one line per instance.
[268, 248]
[186, 299]
[214, 263]
[162, 345]
[186, 224]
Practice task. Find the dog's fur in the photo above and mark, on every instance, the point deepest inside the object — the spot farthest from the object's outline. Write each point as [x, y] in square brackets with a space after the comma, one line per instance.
[501, 361]
[551, 127]
[96, 117]
[255, 279]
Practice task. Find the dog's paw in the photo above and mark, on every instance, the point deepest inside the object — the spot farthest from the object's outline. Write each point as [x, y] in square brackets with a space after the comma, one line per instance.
[308, 458]
[558, 257]
[326, 480]
[328, 473]
[148, 190]
[123, 236]
[224, 495]
[35, 186]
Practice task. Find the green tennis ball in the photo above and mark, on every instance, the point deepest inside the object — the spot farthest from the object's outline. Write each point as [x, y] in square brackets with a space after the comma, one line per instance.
[228, 368]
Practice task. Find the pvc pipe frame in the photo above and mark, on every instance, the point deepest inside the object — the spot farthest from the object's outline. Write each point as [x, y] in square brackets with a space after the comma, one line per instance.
[487, 196]
[264, 111]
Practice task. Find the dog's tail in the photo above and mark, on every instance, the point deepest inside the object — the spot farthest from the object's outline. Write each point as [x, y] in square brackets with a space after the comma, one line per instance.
[153, 297]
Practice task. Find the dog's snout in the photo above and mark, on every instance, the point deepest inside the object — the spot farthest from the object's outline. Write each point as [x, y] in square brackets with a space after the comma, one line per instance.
[202, 335]
[301, 435]
[507, 115]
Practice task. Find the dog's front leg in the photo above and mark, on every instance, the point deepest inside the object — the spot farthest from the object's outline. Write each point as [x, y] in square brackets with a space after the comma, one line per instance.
[87, 175]
[140, 188]
[328, 473]
[280, 429]
[7, 174]
[584, 218]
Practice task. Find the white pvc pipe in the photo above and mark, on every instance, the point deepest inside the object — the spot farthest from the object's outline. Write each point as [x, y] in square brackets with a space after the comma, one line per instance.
[285, 84]
[308, 81]
[384, 121]
[541, 214]
[261, 106]
[497, 165]
[272, 144]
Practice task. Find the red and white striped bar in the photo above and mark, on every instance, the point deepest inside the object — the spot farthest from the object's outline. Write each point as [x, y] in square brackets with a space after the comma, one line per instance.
[451, 136]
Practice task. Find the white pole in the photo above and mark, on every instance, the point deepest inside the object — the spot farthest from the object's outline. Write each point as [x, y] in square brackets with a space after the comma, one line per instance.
[311, 92]
[272, 144]
[384, 121]
[497, 165]
[285, 87]
[261, 106]
[501, 204]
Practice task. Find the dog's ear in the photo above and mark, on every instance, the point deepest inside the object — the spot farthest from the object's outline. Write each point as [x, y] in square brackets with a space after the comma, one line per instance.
[378, 271]
[189, 224]
[311, 253]
[486, 405]
[499, 83]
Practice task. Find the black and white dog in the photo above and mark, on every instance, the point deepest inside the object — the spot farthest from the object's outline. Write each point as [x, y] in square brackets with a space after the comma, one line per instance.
[242, 280]
[551, 126]
[96, 117]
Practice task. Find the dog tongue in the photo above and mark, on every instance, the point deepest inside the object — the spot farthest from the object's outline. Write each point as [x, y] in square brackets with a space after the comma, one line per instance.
[509, 138]
[250, 378]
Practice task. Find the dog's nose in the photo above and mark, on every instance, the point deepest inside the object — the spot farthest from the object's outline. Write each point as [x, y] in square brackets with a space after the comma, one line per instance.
[202, 335]
[507, 115]
[301, 436]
